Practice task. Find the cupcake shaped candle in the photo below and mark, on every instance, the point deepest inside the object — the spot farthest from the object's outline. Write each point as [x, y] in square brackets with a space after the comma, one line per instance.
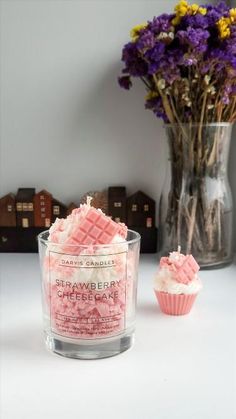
[177, 283]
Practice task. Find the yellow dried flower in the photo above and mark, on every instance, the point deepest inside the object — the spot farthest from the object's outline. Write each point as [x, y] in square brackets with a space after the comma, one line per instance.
[232, 14]
[223, 27]
[194, 8]
[134, 33]
[176, 20]
[151, 95]
[202, 10]
[183, 8]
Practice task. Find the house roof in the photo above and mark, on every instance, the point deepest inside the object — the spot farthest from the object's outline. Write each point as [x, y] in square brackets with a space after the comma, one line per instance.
[56, 202]
[139, 194]
[25, 194]
[44, 192]
[9, 195]
[113, 191]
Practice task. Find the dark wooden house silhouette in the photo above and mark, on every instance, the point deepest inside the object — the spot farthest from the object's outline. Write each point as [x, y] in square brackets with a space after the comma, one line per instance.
[23, 217]
[140, 210]
[59, 210]
[70, 208]
[8, 211]
[25, 207]
[100, 200]
[117, 203]
[42, 209]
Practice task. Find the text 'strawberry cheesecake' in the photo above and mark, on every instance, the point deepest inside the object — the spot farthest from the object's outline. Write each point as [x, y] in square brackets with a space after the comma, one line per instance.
[88, 275]
[177, 283]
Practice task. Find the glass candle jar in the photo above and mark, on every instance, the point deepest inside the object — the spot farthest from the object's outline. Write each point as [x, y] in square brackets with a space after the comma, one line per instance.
[89, 296]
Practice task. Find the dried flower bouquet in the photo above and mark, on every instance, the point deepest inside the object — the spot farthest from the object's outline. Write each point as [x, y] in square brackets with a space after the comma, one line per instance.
[187, 62]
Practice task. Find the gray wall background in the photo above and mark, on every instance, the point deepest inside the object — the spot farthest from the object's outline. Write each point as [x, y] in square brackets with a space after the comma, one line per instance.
[65, 124]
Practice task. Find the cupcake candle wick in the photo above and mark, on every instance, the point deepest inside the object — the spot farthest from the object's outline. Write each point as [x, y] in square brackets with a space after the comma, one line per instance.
[89, 200]
[175, 256]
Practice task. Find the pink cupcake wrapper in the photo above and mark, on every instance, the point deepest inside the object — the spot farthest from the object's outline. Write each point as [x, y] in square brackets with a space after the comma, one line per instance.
[175, 304]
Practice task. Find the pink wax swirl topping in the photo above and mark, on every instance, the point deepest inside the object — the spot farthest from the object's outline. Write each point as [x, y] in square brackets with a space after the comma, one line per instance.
[183, 268]
[88, 286]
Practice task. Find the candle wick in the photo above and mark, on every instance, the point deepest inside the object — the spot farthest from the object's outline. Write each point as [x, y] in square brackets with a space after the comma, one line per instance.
[89, 199]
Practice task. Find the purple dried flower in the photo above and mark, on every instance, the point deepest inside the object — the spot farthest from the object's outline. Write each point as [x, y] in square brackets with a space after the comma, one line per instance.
[232, 61]
[146, 41]
[125, 82]
[205, 67]
[234, 89]
[154, 56]
[189, 60]
[169, 65]
[194, 21]
[153, 68]
[156, 53]
[222, 8]
[161, 23]
[213, 14]
[193, 37]
[226, 94]
[175, 48]
[155, 104]
[134, 62]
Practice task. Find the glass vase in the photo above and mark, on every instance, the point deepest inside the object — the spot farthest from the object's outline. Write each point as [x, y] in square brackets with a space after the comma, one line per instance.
[89, 296]
[196, 201]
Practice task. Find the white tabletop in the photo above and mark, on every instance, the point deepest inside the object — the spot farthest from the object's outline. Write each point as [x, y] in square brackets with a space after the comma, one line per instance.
[179, 367]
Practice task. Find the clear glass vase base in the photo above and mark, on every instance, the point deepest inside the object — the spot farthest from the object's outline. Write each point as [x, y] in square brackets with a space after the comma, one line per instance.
[89, 350]
[196, 207]
[214, 264]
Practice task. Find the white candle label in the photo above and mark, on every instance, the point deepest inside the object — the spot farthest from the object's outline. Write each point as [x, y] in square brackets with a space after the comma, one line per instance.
[87, 294]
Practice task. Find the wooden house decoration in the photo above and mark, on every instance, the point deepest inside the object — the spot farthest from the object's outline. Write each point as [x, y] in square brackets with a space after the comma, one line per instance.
[8, 211]
[70, 208]
[59, 210]
[141, 218]
[140, 210]
[19, 239]
[23, 217]
[42, 209]
[99, 200]
[25, 207]
[117, 203]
